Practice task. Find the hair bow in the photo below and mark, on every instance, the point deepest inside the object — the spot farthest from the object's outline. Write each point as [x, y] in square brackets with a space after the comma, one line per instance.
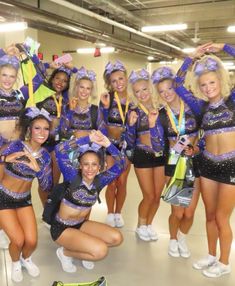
[117, 66]
[10, 60]
[208, 65]
[33, 112]
[66, 70]
[89, 147]
[84, 73]
[162, 73]
[136, 75]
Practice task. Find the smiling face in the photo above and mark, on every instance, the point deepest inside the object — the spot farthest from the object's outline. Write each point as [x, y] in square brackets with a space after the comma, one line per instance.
[39, 131]
[118, 81]
[60, 82]
[166, 91]
[89, 165]
[84, 89]
[8, 77]
[210, 86]
[141, 91]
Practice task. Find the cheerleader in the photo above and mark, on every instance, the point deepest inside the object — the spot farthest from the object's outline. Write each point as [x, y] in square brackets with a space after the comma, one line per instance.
[148, 164]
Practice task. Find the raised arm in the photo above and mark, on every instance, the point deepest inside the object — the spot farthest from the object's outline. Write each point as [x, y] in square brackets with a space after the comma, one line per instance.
[156, 132]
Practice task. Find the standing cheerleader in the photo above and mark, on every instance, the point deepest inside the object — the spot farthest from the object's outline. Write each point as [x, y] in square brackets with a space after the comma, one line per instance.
[149, 165]
[217, 166]
[24, 160]
[114, 106]
[176, 118]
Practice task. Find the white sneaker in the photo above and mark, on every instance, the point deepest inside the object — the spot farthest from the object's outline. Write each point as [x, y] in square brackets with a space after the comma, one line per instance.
[110, 220]
[173, 248]
[118, 219]
[88, 264]
[66, 261]
[4, 242]
[205, 262]
[183, 248]
[217, 270]
[152, 233]
[32, 269]
[16, 272]
[142, 232]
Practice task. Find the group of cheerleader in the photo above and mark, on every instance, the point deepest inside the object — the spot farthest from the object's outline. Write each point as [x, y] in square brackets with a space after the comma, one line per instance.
[139, 121]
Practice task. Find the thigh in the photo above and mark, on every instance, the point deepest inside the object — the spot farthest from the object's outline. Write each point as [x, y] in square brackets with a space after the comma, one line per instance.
[196, 193]
[101, 231]
[226, 200]
[145, 179]
[28, 223]
[10, 223]
[209, 191]
[159, 179]
[122, 179]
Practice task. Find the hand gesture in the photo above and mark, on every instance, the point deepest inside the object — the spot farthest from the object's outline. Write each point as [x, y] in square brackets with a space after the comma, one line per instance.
[99, 138]
[132, 118]
[73, 102]
[105, 99]
[200, 50]
[153, 115]
[68, 65]
[215, 47]
[12, 51]
[54, 65]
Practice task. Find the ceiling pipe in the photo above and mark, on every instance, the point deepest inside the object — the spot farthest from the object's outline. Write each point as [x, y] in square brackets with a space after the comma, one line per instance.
[111, 22]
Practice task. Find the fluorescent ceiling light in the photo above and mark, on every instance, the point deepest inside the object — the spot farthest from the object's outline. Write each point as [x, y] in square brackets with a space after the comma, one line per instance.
[104, 50]
[188, 50]
[14, 26]
[150, 58]
[230, 68]
[99, 44]
[231, 29]
[168, 62]
[228, 64]
[164, 28]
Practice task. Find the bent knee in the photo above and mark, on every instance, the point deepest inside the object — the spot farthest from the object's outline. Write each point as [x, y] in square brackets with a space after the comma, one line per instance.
[100, 251]
[116, 238]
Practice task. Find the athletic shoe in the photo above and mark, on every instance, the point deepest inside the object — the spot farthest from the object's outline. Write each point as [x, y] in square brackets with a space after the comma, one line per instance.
[32, 269]
[182, 245]
[66, 261]
[217, 270]
[4, 242]
[16, 272]
[205, 262]
[118, 219]
[173, 248]
[152, 233]
[142, 233]
[110, 220]
[88, 264]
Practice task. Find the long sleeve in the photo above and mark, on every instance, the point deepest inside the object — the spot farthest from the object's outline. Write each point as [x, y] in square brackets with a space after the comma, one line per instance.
[112, 173]
[45, 174]
[101, 125]
[130, 134]
[2, 53]
[157, 137]
[12, 147]
[229, 50]
[64, 126]
[104, 112]
[62, 154]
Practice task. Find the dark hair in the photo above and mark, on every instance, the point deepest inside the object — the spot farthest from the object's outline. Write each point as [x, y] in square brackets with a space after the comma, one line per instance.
[54, 73]
[100, 155]
[25, 123]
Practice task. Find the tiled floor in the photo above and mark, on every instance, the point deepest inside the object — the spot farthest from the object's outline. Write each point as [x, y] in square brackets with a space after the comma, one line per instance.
[134, 263]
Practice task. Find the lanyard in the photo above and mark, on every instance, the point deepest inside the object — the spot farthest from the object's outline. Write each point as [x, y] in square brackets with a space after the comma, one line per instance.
[30, 83]
[145, 110]
[178, 126]
[123, 116]
[58, 105]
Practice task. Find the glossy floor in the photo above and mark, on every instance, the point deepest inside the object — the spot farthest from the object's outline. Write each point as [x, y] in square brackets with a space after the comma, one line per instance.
[135, 262]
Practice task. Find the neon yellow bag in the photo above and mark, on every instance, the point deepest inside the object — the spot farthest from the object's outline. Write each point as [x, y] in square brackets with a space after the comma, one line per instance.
[99, 282]
[179, 190]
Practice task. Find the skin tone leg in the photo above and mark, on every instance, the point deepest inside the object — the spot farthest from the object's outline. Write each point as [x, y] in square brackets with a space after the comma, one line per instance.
[210, 191]
[20, 227]
[182, 218]
[94, 239]
[225, 206]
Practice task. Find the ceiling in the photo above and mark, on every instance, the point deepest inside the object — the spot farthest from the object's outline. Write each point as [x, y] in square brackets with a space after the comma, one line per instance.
[118, 22]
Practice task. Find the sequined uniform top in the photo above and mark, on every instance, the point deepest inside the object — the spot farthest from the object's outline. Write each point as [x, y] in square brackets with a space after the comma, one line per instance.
[82, 196]
[217, 118]
[74, 120]
[134, 132]
[22, 171]
[112, 115]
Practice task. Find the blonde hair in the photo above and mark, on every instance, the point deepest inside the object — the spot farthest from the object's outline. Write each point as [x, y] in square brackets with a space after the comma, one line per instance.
[221, 72]
[106, 78]
[74, 90]
[159, 100]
